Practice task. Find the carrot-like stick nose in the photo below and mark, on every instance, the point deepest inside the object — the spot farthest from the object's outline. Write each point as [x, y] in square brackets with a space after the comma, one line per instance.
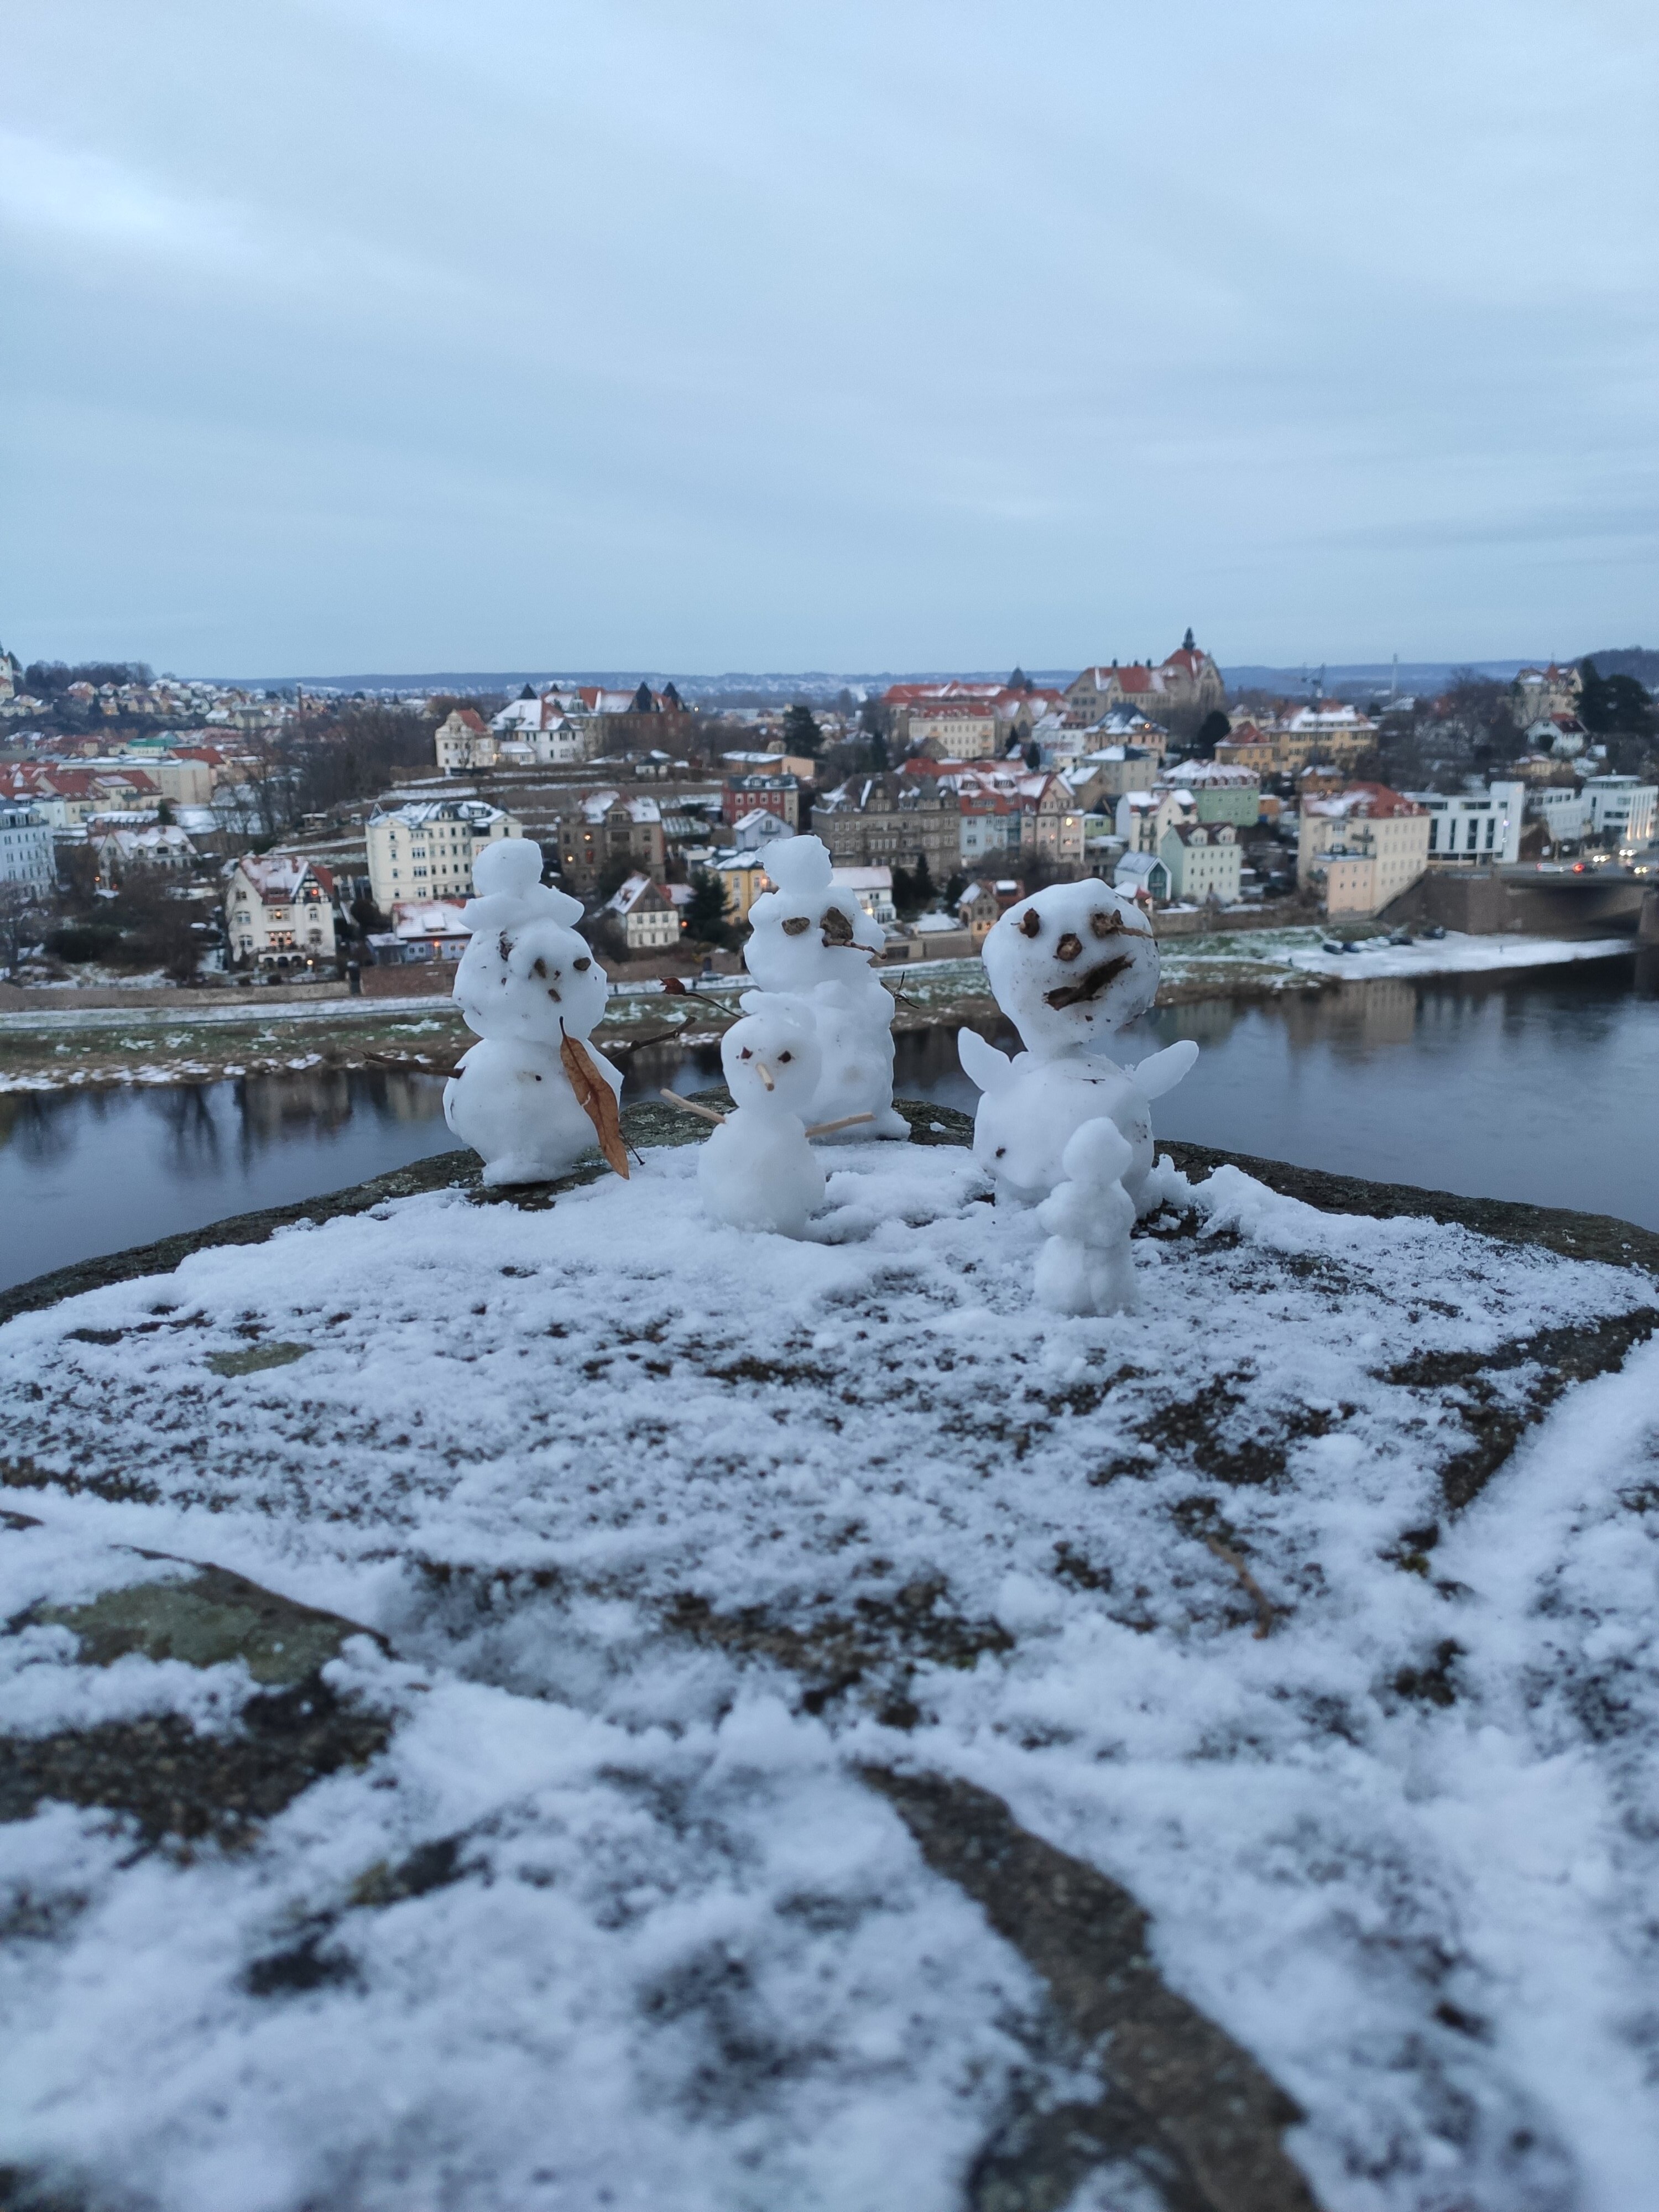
[765, 1074]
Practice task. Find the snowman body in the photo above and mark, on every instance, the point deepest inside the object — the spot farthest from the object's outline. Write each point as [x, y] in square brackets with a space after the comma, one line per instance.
[757, 1170]
[525, 982]
[1087, 1266]
[1069, 967]
[815, 943]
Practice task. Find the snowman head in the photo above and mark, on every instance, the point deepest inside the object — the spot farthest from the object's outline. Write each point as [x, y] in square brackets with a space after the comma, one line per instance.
[770, 1058]
[1097, 1155]
[1071, 965]
[526, 974]
[806, 931]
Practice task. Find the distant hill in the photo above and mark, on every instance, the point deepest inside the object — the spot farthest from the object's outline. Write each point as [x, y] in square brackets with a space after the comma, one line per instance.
[1640, 661]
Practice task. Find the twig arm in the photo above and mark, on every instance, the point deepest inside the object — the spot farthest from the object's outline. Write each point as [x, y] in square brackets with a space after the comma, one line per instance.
[703, 1113]
[824, 1128]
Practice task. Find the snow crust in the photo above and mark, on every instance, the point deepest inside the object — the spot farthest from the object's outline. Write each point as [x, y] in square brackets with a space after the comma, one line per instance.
[690, 1961]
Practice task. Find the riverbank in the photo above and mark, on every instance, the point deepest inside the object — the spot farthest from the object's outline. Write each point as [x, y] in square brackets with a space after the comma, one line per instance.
[64, 1047]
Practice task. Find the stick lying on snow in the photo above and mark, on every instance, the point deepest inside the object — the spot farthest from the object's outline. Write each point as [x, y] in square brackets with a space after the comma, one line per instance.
[708, 1113]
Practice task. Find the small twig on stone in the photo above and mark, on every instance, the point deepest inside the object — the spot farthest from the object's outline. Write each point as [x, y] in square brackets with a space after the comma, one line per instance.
[824, 1128]
[1266, 1611]
[638, 1045]
[706, 1113]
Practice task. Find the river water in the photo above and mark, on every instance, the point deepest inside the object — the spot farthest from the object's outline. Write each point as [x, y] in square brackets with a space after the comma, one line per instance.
[1543, 1089]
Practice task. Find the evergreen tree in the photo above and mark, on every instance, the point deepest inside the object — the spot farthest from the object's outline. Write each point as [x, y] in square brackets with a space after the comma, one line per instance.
[801, 734]
[1210, 732]
[706, 917]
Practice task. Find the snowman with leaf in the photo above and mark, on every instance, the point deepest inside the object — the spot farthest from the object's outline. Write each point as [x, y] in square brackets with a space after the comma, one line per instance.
[532, 1096]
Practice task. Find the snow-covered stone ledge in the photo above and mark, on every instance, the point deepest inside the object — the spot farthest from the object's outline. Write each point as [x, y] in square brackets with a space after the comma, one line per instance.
[560, 1704]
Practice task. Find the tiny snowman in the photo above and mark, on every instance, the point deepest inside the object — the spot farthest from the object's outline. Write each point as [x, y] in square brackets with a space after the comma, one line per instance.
[1086, 1266]
[757, 1170]
[1069, 966]
[531, 1097]
[815, 942]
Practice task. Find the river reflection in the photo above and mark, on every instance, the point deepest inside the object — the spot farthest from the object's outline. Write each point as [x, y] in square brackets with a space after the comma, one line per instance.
[1543, 1089]
[90, 1171]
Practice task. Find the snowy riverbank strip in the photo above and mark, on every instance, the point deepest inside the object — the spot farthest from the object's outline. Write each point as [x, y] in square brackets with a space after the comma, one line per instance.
[1456, 955]
[1312, 1603]
[61, 1048]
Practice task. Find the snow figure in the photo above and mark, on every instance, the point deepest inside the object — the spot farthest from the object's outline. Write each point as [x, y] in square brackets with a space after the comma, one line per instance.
[1086, 1266]
[1068, 966]
[532, 1096]
[757, 1170]
[815, 943]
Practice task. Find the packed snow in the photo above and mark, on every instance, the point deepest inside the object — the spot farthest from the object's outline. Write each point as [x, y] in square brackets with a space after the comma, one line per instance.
[623, 1489]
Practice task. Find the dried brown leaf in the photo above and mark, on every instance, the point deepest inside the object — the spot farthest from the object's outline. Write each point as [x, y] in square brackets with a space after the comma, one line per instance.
[597, 1100]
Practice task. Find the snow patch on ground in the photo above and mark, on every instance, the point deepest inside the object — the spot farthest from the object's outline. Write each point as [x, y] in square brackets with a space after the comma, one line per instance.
[670, 1526]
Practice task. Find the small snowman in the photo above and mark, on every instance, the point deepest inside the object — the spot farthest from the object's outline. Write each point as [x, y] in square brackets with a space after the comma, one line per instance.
[532, 1096]
[813, 942]
[1086, 1266]
[1069, 966]
[757, 1170]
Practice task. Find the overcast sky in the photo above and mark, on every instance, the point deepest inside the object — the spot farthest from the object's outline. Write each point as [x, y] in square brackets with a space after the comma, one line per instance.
[350, 335]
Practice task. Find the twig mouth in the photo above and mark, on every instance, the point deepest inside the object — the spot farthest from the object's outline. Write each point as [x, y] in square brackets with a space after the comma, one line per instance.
[1090, 985]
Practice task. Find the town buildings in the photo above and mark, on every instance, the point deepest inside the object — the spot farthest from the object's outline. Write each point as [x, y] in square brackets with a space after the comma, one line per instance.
[649, 919]
[1621, 808]
[463, 742]
[1203, 860]
[1362, 848]
[893, 821]
[1144, 876]
[956, 729]
[1144, 817]
[279, 910]
[1188, 679]
[1108, 774]
[1219, 791]
[918, 711]
[423, 930]
[602, 831]
[26, 849]
[956, 815]
[777, 793]
[424, 848]
[1541, 693]
[1470, 829]
[1282, 745]
[118, 847]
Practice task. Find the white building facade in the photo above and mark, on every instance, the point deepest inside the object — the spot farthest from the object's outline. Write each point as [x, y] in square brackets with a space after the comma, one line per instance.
[1621, 808]
[26, 849]
[279, 911]
[425, 849]
[1472, 829]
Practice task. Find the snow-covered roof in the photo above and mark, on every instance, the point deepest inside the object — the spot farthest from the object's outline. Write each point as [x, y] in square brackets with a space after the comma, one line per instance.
[863, 880]
[418, 813]
[624, 900]
[596, 805]
[930, 924]
[279, 877]
[428, 918]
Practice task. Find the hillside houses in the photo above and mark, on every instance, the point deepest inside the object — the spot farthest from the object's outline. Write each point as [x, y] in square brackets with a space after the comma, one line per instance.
[953, 814]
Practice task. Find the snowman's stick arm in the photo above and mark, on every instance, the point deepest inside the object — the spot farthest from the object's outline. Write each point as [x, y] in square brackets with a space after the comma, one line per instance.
[708, 1113]
[824, 1128]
